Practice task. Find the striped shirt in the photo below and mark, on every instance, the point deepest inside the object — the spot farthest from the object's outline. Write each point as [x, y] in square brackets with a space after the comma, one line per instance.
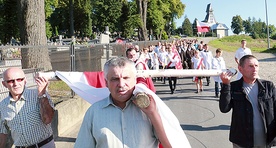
[23, 119]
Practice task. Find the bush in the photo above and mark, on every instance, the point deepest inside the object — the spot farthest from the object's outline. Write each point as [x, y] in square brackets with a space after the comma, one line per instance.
[93, 36]
[210, 34]
[236, 38]
[273, 37]
[164, 35]
[274, 47]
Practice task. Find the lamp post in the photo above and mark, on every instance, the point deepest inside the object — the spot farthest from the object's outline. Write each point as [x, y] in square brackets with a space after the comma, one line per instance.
[268, 42]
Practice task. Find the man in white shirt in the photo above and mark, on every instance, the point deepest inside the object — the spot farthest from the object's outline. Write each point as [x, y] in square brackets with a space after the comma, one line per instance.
[242, 51]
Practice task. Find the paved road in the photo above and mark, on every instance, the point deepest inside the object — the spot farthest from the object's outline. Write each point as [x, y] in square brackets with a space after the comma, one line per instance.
[199, 116]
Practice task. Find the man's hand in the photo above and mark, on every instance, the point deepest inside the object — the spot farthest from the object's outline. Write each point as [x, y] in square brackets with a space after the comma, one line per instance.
[151, 107]
[42, 84]
[226, 77]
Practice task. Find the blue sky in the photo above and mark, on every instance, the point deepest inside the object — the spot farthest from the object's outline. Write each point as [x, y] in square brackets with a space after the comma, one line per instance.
[224, 10]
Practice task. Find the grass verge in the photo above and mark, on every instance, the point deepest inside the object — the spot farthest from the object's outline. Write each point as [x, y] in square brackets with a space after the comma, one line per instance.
[231, 44]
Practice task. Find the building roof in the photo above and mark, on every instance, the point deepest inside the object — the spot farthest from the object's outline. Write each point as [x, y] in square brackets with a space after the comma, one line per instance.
[219, 26]
[210, 17]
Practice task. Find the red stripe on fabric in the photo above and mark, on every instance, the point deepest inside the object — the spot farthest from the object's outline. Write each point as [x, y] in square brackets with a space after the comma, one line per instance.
[95, 79]
[147, 82]
[178, 65]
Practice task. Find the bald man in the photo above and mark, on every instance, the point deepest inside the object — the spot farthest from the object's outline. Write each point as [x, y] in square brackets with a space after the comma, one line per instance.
[27, 113]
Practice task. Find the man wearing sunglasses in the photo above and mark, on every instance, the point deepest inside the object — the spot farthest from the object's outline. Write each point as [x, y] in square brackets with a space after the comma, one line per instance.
[27, 113]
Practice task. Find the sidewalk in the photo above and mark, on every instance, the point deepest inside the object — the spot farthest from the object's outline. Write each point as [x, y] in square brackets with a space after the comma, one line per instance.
[204, 125]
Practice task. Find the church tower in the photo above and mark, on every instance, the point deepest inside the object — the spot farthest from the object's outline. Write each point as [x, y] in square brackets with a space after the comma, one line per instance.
[210, 18]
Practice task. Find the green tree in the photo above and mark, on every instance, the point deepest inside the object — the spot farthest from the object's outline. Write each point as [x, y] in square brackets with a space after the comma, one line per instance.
[179, 30]
[237, 24]
[155, 20]
[82, 18]
[259, 29]
[194, 27]
[272, 29]
[187, 27]
[161, 15]
[79, 23]
[129, 19]
[247, 24]
[173, 9]
[106, 13]
[60, 19]
[8, 21]
[50, 6]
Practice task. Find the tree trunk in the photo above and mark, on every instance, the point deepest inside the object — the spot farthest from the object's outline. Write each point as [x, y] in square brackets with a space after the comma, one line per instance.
[142, 11]
[33, 33]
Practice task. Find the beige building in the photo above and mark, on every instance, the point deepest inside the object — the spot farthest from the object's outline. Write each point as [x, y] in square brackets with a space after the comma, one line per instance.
[220, 29]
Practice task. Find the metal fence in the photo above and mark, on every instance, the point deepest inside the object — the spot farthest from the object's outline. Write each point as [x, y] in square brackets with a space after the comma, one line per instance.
[89, 57]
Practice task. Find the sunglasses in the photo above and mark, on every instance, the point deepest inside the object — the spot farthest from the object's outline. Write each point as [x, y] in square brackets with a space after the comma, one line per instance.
[13, 80]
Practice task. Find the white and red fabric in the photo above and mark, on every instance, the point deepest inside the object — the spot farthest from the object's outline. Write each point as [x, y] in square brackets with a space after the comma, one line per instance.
[79, 83]
[178, 64]
[202, 26]
[146, 81]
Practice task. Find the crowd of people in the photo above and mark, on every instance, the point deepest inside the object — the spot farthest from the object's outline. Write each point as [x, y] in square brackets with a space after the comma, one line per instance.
[179, 54]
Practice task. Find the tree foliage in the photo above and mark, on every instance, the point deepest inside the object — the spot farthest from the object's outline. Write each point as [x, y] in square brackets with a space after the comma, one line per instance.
[247, 24]
[130, 19]
[82, 18]
[194, 26]
[121, 16]
[60, 18]
[8, 21]
[257, 29]
[106, 13]
[50, 6]
[161, 16]
[237, 24]
[157, 18]
[187, 27]
[156, 22]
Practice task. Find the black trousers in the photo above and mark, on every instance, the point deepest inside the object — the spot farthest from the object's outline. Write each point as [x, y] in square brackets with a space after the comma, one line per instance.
[172, 80]
[208, 80]
[162, 78]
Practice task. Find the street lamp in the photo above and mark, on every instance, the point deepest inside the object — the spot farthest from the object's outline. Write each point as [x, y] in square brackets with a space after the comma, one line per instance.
[268, 43]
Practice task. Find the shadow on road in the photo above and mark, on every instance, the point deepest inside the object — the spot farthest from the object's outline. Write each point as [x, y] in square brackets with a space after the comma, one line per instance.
[268, 59]
[200, 128]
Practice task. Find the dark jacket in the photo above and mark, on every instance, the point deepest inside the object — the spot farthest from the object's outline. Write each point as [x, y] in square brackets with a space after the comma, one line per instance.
[241, 130]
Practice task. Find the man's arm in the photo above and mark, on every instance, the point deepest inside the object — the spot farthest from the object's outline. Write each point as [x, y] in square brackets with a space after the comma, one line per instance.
[46, 110]
[236, 60]
[156, 121]
[225, 96]
[3, 140]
